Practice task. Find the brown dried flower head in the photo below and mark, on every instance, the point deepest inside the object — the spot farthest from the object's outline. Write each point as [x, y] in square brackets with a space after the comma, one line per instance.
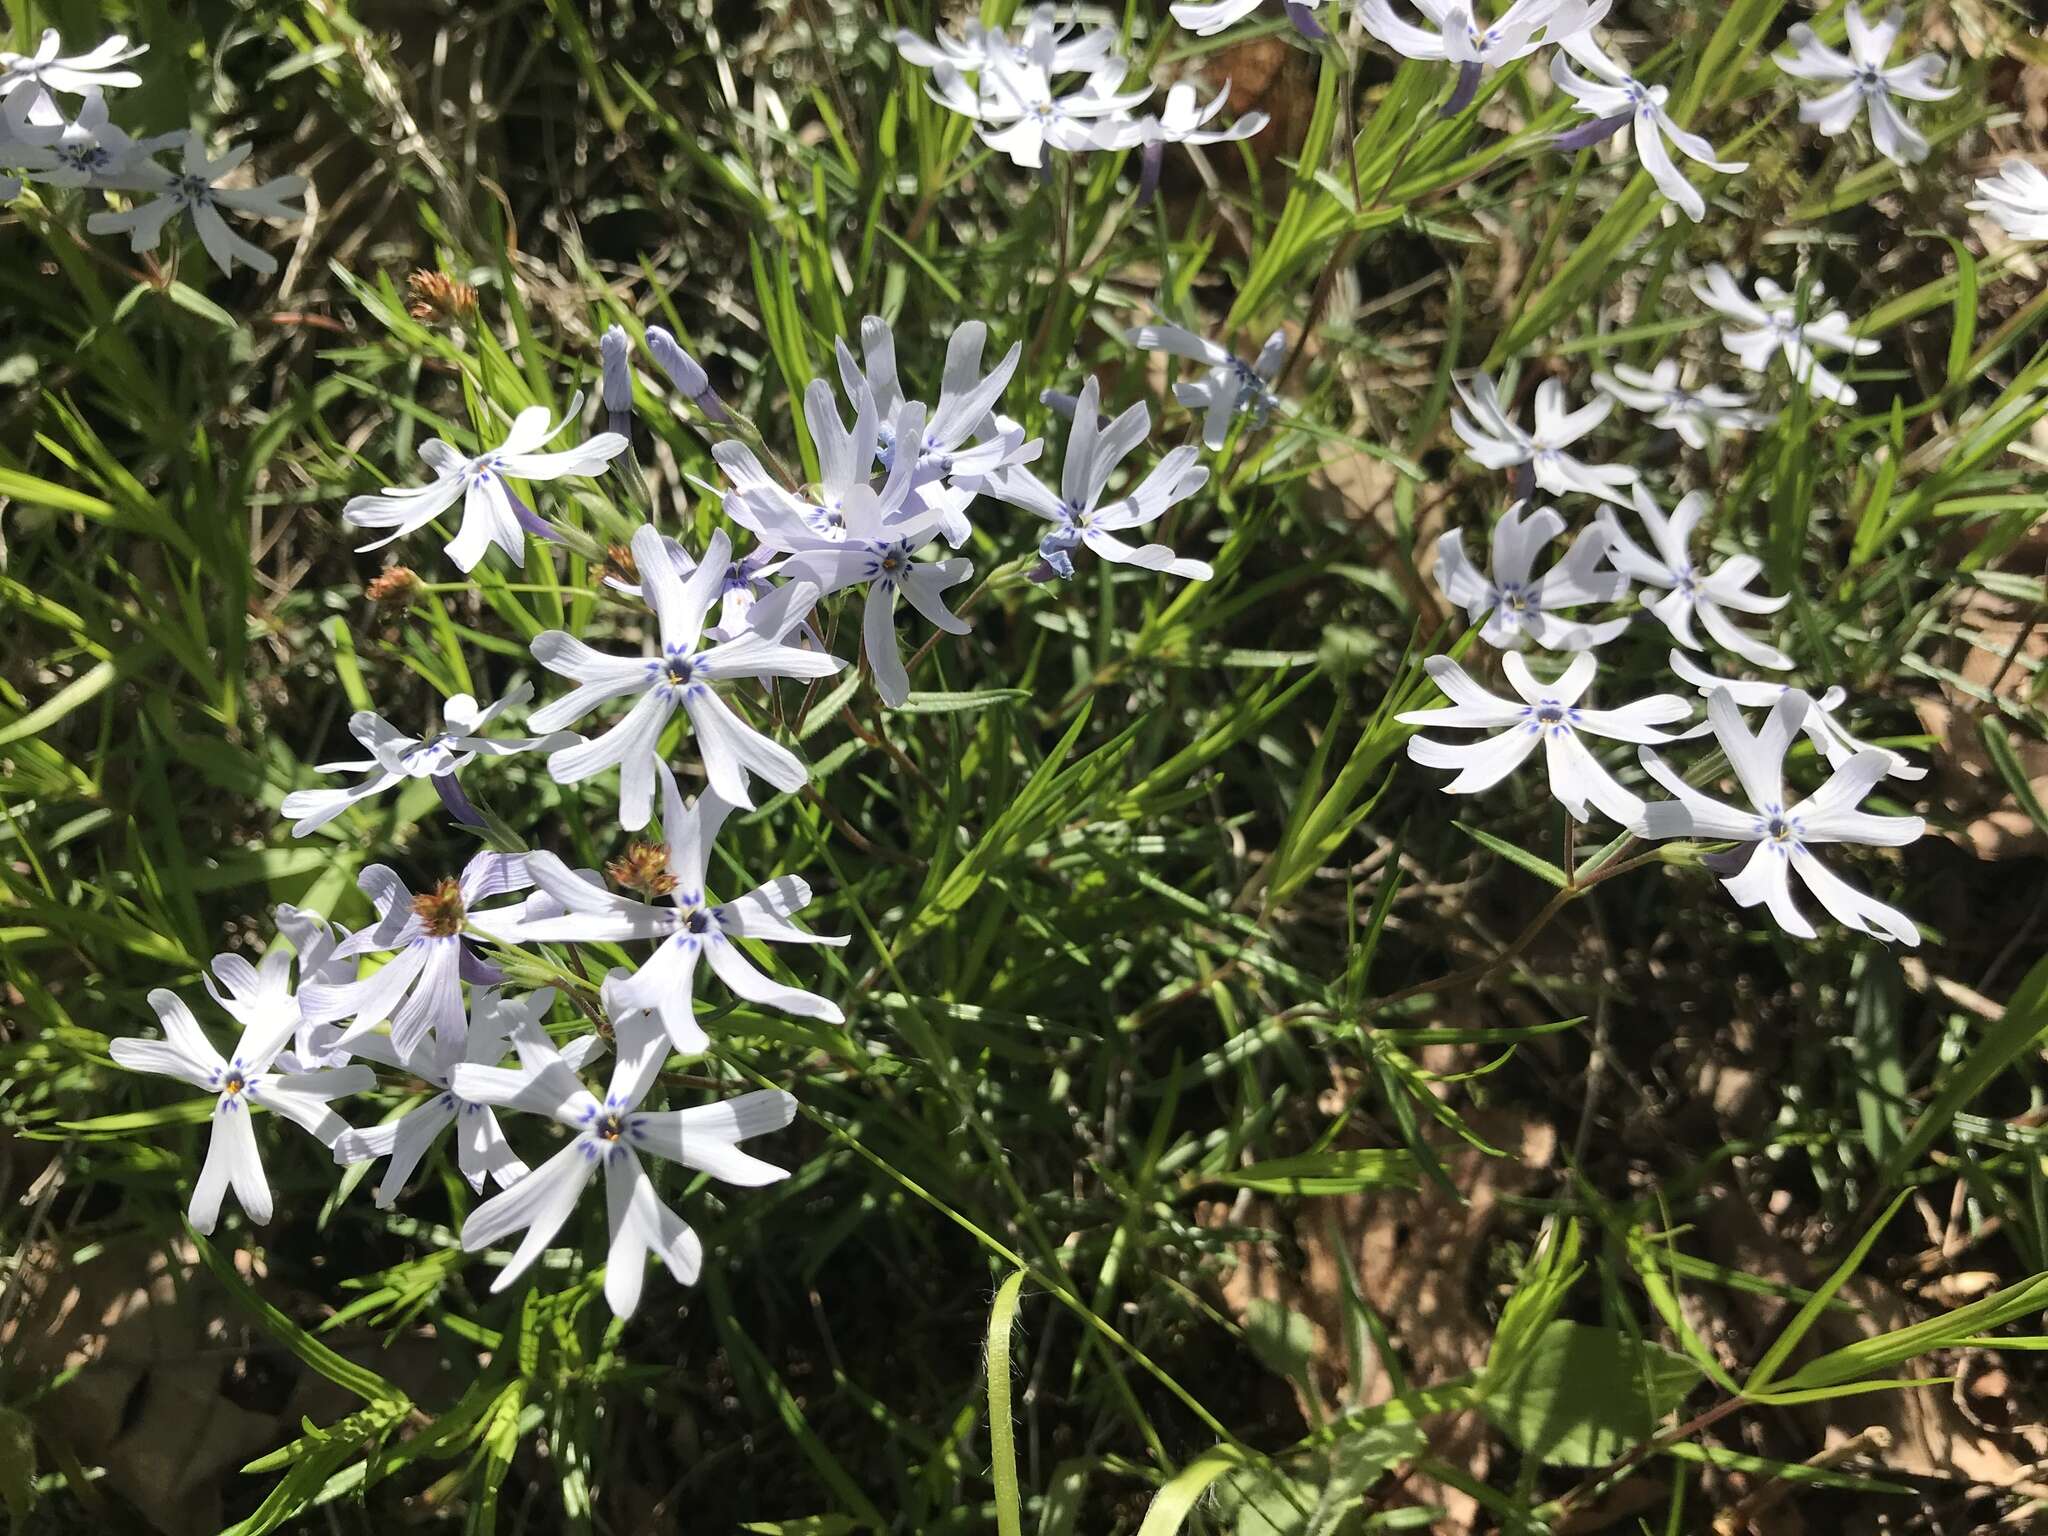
[395, 585]
[434, 296]
[619, 563]
[643, 867]
[440, 909]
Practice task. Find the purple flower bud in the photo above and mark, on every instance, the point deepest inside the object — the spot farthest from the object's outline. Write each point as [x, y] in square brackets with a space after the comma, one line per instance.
[1150, 159]
[1587, 134]
[457, 803]
[1303, 14]
[1063, 405]
[612, 351]
[684, 369]
[676, 363]
[1467, 87]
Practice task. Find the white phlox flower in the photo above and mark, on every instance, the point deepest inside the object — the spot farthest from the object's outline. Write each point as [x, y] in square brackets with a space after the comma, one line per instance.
[195, 189]
[1492, 437]
[432, 940]
[962, 442]
[316, 1044]
[1819, 723]
[1520, 607]
[685, 676]
[396, 757]
[1205, 18]
[1020, 113]
[613, 1134]
[1694, 414]
[261, 994]
[240, 1084]
[481, 1150]
[1546, 713]
[1230, 388]
[1772, 323]
[1460, 39]
[776, 515]
[492, 512]
[85, 152]
[1776, 839]
[1688, 590]
[1862, 81]
[1182, 120]
[1617, 100]
[1078, 513]
[867, 535]
[746, 583]
[979, 48]
[27, 80]
[2016, 200]
[686, 927]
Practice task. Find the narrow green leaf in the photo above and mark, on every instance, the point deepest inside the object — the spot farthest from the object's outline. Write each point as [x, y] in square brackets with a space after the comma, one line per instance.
[1002, 1432]
[1342, 1172]
[1787, 1341]
[1543, 869]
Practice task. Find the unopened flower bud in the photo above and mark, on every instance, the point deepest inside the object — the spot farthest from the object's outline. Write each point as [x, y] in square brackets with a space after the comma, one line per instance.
[686, 371]
[612, 350]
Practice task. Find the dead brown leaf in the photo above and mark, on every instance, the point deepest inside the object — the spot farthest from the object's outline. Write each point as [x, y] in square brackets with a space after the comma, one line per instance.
[1421, 1260]
[152, 1351]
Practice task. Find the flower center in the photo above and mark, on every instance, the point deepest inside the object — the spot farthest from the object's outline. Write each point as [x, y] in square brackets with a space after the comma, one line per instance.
[1780, 831]
[236, 1082]
[610, 1126]
[1514, 599]
[679, 671]
[440, 910]
[192, 190]
[698, 920]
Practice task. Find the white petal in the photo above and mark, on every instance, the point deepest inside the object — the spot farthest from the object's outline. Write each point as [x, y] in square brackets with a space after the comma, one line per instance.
[739, 973]
[1480, 765]
[1851, 907]
[540, 1203]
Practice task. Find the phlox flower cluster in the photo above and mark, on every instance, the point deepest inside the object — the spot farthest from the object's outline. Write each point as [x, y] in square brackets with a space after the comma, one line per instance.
[1522, 611]
[901, 480]
[1048, 86]
[40, 146]
[717, 631]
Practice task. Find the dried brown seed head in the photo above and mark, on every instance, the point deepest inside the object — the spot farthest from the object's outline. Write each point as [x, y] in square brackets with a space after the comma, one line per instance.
[434, 296]
[643, 867]
[395, 585]
[441, 909]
